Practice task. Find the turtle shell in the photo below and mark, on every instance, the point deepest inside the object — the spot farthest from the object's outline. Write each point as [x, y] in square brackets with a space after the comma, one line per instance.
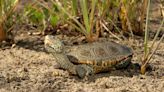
[99, 53]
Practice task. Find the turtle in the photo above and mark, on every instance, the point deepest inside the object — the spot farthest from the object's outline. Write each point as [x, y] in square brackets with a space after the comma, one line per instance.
[89, 58]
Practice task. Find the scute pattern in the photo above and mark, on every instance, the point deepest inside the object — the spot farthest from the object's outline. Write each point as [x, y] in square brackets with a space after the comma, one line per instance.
[100, 53]
[85, 53]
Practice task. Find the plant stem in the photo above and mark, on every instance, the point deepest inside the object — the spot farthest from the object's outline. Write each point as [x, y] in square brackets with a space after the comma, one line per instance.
[158, 31]
[154, 50]
[84, 8]
[146, 32]
[75, 7]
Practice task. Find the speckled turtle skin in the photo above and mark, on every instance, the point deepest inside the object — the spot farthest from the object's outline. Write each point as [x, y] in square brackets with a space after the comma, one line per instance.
[89, 58]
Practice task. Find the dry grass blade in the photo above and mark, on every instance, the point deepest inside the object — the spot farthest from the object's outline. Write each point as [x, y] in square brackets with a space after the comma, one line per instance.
[126, 24]
[118, 30]
[162, 9]
[158, 31]
[110, 31]
[143, 10]
[7, 8]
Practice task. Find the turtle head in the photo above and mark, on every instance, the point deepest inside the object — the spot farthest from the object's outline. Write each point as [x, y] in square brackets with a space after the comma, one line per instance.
[53, 44]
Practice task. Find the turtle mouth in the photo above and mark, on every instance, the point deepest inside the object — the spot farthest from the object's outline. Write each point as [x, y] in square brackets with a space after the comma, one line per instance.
[51, 48]
[48, 48]
[48, 45]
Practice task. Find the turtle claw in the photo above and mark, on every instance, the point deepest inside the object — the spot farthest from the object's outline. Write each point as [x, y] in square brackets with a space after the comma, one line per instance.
[83, 71]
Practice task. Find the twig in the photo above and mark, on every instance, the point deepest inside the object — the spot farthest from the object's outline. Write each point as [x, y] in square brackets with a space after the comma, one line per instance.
[110, 31]
[117, 29]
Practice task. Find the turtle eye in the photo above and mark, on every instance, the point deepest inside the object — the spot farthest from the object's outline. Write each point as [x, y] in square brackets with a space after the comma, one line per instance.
[58, 47]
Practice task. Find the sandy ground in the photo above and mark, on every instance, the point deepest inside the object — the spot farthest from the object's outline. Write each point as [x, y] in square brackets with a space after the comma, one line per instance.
[28, 68]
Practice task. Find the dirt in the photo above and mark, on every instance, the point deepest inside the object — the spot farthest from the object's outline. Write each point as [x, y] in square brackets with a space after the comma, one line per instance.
[26, 67]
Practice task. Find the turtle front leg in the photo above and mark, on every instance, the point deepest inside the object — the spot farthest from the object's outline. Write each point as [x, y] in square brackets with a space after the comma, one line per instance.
[84, 70]
[81, 70]
[64, 63]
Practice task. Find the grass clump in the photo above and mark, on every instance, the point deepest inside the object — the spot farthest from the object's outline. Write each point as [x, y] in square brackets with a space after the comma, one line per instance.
[147, 55]
[7, 9]
[39, 16]
[90, 17]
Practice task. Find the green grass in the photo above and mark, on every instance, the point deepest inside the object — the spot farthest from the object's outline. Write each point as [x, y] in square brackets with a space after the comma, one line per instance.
[92, 14]
[88, 17]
